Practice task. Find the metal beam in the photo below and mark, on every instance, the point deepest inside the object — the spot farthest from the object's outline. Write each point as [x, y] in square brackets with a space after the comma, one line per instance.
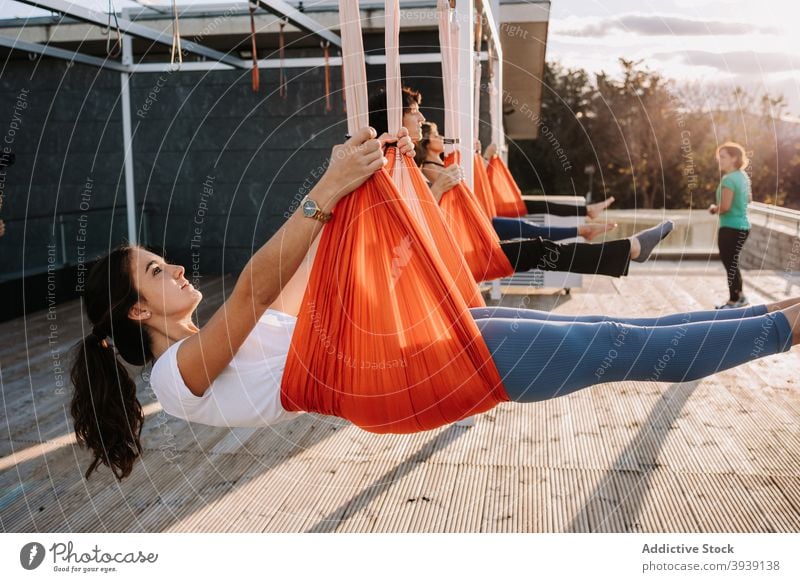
[128, 27]
[300, 20]
[295, 63]
[50, 51]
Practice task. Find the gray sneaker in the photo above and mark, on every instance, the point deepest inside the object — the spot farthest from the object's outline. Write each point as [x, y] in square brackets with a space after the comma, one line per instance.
[741, 302]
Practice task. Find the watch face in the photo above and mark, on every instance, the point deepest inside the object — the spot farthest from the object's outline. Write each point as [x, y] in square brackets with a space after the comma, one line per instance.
[309, 207]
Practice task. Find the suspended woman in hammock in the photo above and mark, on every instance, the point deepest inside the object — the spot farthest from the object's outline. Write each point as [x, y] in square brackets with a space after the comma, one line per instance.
[527, 246]
[555, 208]
[228, 373]
[506, 228]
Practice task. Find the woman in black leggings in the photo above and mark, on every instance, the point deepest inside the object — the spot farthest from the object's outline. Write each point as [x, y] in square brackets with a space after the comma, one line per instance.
[529, 250]
[733, 196]
[556, 209]
[609, 258]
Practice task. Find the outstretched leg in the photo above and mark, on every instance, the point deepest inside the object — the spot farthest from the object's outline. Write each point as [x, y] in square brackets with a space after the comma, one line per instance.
[508, 228]
[545, 207]
[554, 208]
[511, 228]
[538, 360]
[610, 258]
[669, 319]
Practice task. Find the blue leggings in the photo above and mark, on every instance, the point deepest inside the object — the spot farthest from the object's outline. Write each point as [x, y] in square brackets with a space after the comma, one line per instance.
[508, 228]
[543, 355]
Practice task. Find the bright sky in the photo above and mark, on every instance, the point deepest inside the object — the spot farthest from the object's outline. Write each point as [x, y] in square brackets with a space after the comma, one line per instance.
[751, 43]
[754, 44]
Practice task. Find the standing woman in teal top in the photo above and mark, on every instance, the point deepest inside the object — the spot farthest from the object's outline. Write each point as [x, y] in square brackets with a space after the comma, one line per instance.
[733, 196]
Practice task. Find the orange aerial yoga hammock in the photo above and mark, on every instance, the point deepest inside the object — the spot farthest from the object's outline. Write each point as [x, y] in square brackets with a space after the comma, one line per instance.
[383, 338]
[473, 232]
[483, 188]
[507, 195]
[463, 213]
[408, 177]
[411, 184]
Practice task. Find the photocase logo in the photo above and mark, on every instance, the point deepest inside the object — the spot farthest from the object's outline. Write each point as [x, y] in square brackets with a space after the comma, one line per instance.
[31, 555]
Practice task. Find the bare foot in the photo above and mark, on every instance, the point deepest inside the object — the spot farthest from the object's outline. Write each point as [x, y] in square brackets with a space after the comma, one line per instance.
[594, 210]
[592, 230]
[785, 304]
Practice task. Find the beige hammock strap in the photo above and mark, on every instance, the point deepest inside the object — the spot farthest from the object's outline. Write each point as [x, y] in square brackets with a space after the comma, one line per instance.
[112, 51]
[448, 42]
[353, 66]
[394, 101]
[176, 36]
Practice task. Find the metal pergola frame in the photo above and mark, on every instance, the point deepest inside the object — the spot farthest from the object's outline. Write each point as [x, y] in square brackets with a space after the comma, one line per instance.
[226, 61]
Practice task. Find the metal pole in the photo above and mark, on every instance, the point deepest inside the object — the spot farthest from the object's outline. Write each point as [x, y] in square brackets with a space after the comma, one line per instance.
[130, 195]
[466, 86]
[492, 8]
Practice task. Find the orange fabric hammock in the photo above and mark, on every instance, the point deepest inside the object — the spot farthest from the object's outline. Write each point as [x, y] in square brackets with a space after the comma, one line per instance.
[384, 338]
[507, 195]
[408, 177]
[483, 189]
[465, 215]
[411, 184]
[473, 232]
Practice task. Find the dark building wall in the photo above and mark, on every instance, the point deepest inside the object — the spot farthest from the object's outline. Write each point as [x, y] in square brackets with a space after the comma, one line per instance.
[69, 131]
[216, 165]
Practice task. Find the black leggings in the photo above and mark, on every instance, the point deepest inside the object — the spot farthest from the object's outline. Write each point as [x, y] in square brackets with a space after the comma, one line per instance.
[554, 208]
[610, 258]
[731, 241]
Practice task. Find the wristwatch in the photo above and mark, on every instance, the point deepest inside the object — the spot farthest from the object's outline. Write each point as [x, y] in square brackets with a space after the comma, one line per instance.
[312, 210]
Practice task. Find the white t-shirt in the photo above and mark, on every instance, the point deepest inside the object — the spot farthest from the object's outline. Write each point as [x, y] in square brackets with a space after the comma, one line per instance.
[248, 391]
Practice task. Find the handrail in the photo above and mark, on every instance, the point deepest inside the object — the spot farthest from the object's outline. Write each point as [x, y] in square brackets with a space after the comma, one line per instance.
[772, 210]
[146, 207]
[61, 219]
[777, 212]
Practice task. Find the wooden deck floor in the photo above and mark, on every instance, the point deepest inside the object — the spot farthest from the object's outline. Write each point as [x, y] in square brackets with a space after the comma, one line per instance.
[720, 455]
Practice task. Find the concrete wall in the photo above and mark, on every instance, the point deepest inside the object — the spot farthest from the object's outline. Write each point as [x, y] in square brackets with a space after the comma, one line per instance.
[771, 248]
[217, 164]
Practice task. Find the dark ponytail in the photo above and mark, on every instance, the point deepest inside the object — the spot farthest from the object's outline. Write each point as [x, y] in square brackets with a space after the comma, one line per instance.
[108, 417]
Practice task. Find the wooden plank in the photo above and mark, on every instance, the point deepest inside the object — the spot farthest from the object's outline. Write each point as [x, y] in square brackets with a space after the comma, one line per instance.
[721, 454]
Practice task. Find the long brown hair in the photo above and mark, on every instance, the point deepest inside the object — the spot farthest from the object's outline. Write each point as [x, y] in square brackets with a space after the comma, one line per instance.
[421, 147]
[107, 415]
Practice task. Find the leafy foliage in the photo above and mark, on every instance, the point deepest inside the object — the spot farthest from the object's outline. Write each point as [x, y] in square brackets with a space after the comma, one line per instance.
[651, 141]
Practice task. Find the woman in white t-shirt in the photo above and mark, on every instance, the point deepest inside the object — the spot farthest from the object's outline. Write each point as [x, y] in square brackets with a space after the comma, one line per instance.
[144, 306]
[228, 373]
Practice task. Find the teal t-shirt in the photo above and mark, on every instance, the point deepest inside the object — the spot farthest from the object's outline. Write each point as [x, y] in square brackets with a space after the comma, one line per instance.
[739, 184]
